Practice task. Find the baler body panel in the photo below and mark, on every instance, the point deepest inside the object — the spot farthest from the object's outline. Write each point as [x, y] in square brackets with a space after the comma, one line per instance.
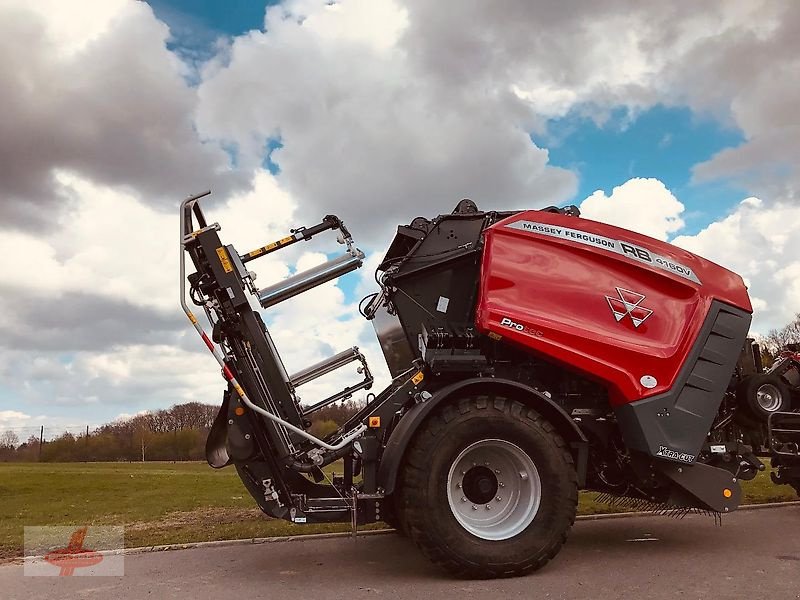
[618, 306]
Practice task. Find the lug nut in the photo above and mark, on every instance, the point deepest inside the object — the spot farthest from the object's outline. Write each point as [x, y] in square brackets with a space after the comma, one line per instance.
[501, 484]
[523, 476]
[458, 485]
[463, 499]
[474, 507]
[488, 507]
[498, 498]
[497, 471]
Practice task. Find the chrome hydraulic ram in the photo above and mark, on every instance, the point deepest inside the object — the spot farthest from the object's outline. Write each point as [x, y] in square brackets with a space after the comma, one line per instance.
[302, 282]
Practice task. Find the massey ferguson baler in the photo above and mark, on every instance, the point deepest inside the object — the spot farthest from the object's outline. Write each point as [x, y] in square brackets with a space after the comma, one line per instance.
[533, 354]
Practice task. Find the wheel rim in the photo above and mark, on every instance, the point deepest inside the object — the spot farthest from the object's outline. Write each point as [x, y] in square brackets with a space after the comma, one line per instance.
[769, 397]
[494, 489]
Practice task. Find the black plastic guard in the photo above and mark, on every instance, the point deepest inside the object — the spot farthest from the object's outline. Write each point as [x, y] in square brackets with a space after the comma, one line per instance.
[216, 442]
[674, 425]
[703, 486]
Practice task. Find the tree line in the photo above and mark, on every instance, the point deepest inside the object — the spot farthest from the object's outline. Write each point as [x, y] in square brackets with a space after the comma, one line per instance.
[177, 433]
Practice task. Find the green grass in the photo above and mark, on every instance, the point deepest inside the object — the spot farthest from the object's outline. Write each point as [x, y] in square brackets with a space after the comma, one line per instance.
[165, 503]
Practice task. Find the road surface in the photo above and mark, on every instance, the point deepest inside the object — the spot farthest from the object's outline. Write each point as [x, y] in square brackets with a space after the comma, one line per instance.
[755, 554]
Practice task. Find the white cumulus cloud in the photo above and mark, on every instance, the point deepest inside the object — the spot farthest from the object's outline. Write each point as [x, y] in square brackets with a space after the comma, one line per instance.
[643, 205]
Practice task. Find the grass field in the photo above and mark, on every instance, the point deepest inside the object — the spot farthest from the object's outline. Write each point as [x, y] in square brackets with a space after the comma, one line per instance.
[163, 503]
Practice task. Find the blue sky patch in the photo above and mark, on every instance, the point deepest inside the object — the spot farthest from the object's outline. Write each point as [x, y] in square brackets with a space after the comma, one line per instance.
[662, 142]
[196, 25]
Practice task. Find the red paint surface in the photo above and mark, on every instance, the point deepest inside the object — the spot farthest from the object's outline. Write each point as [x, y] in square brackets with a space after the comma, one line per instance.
[556, 289]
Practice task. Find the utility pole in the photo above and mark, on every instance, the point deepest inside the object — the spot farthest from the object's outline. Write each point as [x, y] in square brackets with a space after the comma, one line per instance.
[41, 441]
[142, 446]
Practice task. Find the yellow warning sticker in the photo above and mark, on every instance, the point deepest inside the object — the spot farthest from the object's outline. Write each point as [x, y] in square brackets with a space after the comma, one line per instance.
[224, 260]
[417, 378]
[255, 253]
[374, 422]
[286, 240]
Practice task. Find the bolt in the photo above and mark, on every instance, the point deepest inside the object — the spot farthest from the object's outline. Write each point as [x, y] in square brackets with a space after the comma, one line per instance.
[474, 464]
[486, 464]
[463, 499]
[488, 507]
[474, 507]
[458, 485]
[726, 509]
[247, 436]
[734, 480]
[501, 484]
[230, 421]
[680, 470]
[499, 499]
[523, 475]
[497, 471]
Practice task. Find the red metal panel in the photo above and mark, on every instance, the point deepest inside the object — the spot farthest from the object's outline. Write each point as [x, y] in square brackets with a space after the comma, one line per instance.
[562, 289]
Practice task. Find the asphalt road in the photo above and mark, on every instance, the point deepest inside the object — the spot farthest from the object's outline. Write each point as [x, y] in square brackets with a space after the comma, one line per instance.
[755, 554]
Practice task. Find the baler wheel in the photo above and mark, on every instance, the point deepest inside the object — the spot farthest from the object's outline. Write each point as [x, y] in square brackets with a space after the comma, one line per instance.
[489, 488]
[764, 394]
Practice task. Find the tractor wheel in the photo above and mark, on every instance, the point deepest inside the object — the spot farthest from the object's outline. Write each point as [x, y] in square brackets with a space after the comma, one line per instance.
[764, 394]
[489, 488]
[395, 518]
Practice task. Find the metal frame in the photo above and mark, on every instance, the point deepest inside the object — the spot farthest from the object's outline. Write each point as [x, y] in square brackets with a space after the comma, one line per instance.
[190, 206]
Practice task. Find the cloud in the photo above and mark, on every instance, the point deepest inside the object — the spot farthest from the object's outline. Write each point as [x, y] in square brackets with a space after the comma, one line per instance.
[93, 89]
[737, 61]
[96, 321]
[643, 205]
[367, 133]
[385, 111]
[759, 242]
[76, 321]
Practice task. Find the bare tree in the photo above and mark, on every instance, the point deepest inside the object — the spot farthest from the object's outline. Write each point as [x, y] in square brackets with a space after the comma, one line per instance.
[9, 440]
[776, 339]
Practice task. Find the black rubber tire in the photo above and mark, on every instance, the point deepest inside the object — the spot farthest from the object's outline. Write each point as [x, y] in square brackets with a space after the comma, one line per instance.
[395, 518]
[429, 520]
[747, 396]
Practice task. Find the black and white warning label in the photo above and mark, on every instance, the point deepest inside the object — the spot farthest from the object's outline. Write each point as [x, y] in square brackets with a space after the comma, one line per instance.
[627, 249]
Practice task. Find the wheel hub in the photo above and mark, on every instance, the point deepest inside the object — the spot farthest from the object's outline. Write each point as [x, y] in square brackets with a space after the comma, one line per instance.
[480, 485]
[769, 397]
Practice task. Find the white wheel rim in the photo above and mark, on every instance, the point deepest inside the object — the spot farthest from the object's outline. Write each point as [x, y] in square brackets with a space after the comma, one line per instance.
[494, 489]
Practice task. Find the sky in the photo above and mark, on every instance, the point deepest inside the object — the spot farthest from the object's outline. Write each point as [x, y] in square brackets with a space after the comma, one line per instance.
[674, 120]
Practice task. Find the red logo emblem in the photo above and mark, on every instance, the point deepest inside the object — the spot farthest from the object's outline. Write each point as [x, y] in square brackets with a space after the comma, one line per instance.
[74, 556]
[628, 303]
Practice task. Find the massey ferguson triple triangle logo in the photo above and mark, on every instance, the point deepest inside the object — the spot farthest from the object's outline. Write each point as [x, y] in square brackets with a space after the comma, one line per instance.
[628, 303]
